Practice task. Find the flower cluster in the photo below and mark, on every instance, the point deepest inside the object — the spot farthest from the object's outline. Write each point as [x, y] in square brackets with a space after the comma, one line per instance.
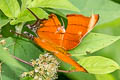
[3, 42]
[45, 68]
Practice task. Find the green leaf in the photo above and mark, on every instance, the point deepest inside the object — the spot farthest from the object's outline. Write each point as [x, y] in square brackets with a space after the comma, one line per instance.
[25, 4]
[10, 8]
[5, 31]
[98, 64]
[57, 4]
[25, 15]
[27, 78]
[6, 58]
[80, 76]
[10, 74]
[55, 12]
[22, 48]
[104, 77]
[3, 20]
[93, 42]
[105, 8]
[111, 28]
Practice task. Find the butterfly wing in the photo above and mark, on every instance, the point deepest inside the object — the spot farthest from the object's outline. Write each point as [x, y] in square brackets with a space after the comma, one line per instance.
[49, 29]
[78, 26]
[51, 41]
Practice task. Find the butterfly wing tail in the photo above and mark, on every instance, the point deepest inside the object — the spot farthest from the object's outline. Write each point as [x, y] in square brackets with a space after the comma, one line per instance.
[69, 60]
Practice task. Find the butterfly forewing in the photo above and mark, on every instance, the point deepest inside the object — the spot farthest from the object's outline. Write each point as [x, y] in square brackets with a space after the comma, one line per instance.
[78, 26]
[49, 29]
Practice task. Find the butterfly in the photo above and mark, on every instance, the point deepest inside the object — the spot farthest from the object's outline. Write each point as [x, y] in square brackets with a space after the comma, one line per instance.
[52, 36]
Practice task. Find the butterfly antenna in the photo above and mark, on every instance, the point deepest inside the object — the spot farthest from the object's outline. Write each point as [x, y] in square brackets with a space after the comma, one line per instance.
[33, 14]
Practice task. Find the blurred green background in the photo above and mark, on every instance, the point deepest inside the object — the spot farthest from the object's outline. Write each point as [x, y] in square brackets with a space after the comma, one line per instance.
[109, 23]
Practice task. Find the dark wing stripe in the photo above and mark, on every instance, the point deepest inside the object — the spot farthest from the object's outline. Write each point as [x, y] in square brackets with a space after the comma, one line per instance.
[67, 25]
[66, 39]
[59, 33]
[80, 25]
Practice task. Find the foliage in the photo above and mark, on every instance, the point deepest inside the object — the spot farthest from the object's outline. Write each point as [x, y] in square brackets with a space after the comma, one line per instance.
[99, 63]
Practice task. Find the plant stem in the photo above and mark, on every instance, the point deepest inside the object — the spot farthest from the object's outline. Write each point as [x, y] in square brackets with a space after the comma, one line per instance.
[67, 71]
[22, 60]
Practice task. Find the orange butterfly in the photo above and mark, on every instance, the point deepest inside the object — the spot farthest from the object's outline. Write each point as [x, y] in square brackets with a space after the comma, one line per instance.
[54, 38]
